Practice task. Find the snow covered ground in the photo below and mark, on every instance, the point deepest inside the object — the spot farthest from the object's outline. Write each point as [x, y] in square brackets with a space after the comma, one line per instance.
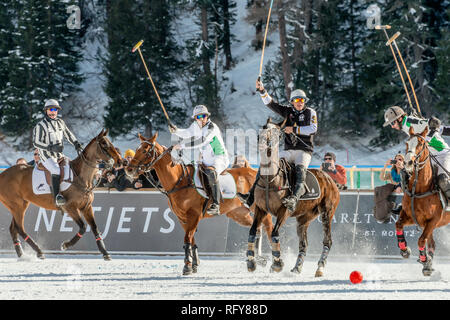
[219, 278]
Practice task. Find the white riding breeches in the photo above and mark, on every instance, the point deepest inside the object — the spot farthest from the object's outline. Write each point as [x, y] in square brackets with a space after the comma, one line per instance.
[444, 160]
[52, 165]
[219, 164]
[297, 157]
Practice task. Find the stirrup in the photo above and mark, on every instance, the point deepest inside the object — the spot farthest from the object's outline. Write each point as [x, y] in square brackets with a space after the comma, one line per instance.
[214, 210]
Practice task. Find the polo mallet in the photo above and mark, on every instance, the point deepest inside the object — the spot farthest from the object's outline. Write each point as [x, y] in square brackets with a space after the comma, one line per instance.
[264, 41]
[137, 47]
[390, 41]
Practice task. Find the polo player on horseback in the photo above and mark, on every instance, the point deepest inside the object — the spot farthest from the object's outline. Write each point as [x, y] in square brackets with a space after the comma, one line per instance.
[206, 136]
[48, 136]
[301, 126]
[397, 118]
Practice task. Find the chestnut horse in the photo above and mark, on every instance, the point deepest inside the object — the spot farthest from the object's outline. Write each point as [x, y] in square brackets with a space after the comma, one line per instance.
[16, 193]
[184, 200]
[421, 204]
[272, 187]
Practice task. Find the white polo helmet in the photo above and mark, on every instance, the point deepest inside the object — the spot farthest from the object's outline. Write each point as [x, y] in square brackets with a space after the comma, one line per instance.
[392, 113]
[52, 103]
[200, 109]
[297, 93]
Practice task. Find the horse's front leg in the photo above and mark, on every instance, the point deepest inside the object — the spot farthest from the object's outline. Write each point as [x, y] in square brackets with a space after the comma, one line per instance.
[277, 262]
[254, 240]
[426, 240]
[403, 220]
[75, 215]
[89, 216]
[189, 245]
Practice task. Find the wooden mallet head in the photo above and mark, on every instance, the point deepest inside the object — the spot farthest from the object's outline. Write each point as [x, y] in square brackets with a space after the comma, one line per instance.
[137, 45]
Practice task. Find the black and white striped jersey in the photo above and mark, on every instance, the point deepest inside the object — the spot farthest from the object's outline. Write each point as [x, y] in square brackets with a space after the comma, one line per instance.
[49, 133]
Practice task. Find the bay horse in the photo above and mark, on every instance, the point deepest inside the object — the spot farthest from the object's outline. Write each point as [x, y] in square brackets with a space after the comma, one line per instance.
[272, 187]
[421, 203]
[16, 193]
[177, 182]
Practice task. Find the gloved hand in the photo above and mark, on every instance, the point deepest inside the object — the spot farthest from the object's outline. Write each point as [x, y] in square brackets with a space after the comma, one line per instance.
[78, 146]
[260, 86]
[55, 148]
[172, 128]
[434, 123]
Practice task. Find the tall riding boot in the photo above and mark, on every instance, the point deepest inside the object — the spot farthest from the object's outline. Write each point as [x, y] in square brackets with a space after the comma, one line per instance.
[214, 209]
[444, 185]
[249, 197]
[299, 188]
[59, 199]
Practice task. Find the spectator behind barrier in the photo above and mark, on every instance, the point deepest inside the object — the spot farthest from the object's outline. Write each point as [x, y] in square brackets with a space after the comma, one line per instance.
[335, 171]
[240, 162]
[385, 205]
[21, 161]
[36, 158]
[393, 176]
[117, 178]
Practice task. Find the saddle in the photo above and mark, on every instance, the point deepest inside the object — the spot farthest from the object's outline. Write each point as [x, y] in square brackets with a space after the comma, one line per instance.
[311, 182]
[41, 177]
[226, 182]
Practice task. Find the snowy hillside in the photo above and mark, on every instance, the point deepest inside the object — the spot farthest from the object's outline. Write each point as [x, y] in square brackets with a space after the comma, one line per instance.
[243, 107]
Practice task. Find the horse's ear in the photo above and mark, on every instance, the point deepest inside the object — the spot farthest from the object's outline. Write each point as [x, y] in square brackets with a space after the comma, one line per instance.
[141, 137]
[411, 131]
[106, 132]
[155, 136]
[425, 132]
[269, 121]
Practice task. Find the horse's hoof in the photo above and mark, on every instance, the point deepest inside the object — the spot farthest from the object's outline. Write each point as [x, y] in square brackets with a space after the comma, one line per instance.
[64, 246]
[297, 269]
[319, 272]
[251, 265]
[41, 256]
[427, 271]
[405, 253]
[187, 270]
[277, 266]
[194, 268]
[107, 257]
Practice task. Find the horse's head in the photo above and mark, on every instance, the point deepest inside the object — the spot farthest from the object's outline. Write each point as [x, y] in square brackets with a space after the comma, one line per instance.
[144, 157]
[268, 143]
[101, 149]
[416, 150]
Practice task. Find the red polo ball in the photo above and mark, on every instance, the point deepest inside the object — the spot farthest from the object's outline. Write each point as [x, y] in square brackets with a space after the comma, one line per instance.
[356, 277]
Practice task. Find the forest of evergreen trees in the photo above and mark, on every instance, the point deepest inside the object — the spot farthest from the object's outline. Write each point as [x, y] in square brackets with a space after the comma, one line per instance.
[326, 49]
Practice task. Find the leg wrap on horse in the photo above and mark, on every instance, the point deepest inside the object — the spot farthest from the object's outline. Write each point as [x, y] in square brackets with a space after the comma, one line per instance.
[299, 188]
[401, 241]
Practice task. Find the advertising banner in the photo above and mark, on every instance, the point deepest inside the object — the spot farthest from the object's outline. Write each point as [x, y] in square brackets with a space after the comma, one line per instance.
[141, 222]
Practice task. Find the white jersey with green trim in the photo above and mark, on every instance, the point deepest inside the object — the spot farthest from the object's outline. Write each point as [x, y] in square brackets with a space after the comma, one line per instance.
[207, 139]
[436, 143]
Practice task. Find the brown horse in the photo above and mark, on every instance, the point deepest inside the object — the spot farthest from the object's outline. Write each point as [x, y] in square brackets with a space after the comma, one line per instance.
[16, 193]
[421, 204]
[184, 200]
[272, 187]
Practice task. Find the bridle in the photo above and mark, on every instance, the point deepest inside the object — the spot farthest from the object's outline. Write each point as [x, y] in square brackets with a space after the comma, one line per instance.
[150, 155]
[93, 164]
